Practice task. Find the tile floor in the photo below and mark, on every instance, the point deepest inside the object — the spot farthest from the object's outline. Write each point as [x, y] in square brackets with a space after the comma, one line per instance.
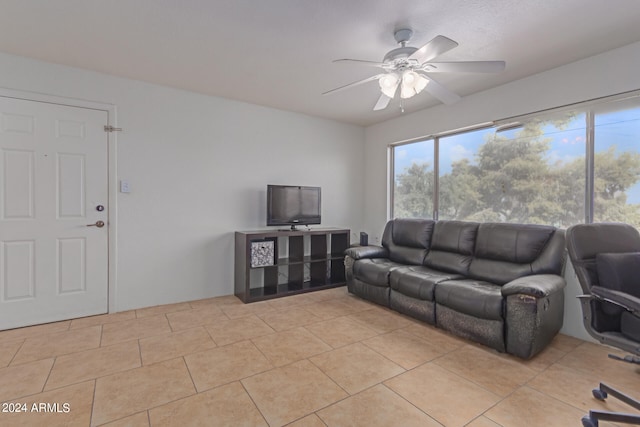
[320, 359]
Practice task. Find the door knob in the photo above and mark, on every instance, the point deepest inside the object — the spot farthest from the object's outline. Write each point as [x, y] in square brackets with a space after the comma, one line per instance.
[98, 224]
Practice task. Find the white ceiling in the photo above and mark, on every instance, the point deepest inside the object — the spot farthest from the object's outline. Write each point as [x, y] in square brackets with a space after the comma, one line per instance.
[279, 53]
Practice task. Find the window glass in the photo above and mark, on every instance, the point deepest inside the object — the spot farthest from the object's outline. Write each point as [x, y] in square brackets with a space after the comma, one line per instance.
[617, 163]
[413, 180]
[534, 173]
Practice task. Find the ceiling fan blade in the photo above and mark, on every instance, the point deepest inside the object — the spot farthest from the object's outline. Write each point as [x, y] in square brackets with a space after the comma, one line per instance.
[436, 47]
[382, 103]
[464, 67]
[360, 61]
[359, 82]
[442, 93]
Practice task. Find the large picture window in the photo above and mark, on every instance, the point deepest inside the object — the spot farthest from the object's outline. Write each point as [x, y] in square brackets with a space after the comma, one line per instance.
[546, 170]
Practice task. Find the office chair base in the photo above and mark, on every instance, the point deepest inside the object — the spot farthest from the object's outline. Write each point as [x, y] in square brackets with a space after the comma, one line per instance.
[628, 358]
[601, 393]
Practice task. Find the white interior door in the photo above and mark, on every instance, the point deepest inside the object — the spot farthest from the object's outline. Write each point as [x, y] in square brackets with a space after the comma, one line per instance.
[53, 184]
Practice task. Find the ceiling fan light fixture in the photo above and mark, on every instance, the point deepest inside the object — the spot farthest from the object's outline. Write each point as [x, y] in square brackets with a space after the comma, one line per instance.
[421, 83]
[409, 80]
[388, 84]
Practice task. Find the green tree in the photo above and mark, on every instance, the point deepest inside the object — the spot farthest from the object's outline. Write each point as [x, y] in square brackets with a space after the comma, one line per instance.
[413, 192]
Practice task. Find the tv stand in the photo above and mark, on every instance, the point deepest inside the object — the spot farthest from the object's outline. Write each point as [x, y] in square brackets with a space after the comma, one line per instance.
[272, 264]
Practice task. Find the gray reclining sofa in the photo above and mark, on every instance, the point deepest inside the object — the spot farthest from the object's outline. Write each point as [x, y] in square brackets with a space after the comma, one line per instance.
[497, 284]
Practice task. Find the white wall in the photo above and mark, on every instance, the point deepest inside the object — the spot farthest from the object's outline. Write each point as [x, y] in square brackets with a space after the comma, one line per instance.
[602, 75]
[198, 167]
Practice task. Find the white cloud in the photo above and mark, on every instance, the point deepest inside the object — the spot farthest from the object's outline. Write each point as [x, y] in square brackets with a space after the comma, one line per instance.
[459, 152]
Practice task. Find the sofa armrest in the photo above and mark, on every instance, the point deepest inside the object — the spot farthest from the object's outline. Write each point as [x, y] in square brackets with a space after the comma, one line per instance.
[362, 252]
[534, 312]
[537, 285]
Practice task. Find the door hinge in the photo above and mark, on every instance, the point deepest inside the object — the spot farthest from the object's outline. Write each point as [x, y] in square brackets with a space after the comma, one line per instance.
[109, 128]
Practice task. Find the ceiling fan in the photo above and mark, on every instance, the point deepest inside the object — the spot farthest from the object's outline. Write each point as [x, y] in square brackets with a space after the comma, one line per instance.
[406, 70]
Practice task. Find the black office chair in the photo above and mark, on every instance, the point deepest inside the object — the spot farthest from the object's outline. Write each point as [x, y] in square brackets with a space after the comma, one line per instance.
[606, 258]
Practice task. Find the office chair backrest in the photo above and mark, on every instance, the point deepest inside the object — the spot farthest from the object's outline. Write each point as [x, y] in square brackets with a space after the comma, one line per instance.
[584, 243]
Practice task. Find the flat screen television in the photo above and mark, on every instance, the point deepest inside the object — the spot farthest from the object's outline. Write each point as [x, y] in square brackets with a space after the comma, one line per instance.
[293, 205]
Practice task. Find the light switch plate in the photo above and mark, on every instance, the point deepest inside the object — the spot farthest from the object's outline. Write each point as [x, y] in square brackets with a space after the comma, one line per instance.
[124, 186]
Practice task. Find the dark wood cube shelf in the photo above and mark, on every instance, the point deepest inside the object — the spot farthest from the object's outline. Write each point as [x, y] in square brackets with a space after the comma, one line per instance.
[288, 262]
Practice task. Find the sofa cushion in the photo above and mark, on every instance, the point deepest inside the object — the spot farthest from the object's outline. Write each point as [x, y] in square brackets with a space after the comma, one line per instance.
[418, 282]
[455, 236]
[408, 240]
[498, 272]
[374, 271]
[516, 243]
[452, 246]
[473, 297]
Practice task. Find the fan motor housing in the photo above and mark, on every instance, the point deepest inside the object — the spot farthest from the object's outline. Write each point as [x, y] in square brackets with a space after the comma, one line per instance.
[399, 53]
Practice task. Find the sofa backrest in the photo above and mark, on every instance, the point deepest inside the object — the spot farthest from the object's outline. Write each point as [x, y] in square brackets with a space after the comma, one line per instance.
[408, 240]
[452, 246]
[504, 252]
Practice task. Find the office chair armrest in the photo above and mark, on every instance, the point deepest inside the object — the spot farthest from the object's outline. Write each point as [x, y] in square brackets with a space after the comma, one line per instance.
[537, 285]
[621, 299]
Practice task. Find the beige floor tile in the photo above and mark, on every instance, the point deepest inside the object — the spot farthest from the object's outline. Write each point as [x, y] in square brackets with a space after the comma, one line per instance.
[215, 302]
[542, 360]
[223, 365]
[69, 406]
[141, 419]
[8, 351]
[309, 421]
[285, 394]
[448, 398]
[356, 367]
[20, 334]
[289, 346]
[403, 348]
[101, 319]
[90, 364]
[46, 346]
[592, 359]
[482, 421]
[169, 346]
[331, 308]
[574, 387]
[497, 374]
[228, 405]
[188, 319]
[327, 294]
[381, 320]
[229, 331]
[291, 301]
[375, 407]
[162, 309]
[358, 303]
[113, 333]
[436, 337]
[136, 390]
[565, 343]
[341, 331]
[23, 380]
[256, 308]
[292, 318]
[527, 407]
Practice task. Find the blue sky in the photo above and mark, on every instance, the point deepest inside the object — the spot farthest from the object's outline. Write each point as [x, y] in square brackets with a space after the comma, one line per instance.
[620, 128]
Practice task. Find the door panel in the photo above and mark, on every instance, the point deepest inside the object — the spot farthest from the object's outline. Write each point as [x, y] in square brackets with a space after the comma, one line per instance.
[54, 174]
